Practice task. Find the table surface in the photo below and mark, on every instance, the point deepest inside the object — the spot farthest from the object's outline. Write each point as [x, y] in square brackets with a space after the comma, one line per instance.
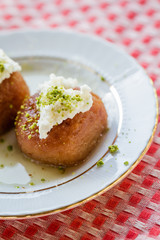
[131, 210]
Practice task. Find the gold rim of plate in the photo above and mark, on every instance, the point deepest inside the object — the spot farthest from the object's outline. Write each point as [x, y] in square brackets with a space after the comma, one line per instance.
[45, 213]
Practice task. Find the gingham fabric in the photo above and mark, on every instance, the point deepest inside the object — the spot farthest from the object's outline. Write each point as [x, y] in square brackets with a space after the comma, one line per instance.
[131, 210]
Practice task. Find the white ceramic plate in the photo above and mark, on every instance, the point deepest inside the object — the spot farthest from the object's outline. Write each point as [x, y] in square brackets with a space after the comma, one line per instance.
[130, 101]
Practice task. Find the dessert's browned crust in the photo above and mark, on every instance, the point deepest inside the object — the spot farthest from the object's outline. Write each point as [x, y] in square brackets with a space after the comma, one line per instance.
[67, 144]
[13, 90]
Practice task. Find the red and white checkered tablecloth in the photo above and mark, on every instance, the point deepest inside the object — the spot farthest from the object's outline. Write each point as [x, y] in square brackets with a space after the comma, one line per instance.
[131, 210]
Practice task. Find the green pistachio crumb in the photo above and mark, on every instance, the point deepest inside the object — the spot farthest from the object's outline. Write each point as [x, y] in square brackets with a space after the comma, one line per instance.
[23, 127]
[33, 126]
[2, 166]
[2, 68]
[31, 184]
[22, 106]
[113, 148]
[10, 106]
[126, 163]
[37, 131]
[43, 179]
[1, 140]
[102, 78]
[57, 94]
[61, 169]
[10, 148]
[100, 163]
[29, 136]
[129, 141]
[30, 120]
[27, 115]
[17, 187]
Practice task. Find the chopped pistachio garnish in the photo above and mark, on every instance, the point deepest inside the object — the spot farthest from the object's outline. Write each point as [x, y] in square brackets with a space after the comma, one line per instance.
[33, 126]
[100, 163]
[10, 148]
[29, 136]
[55, 94]
[1, 165]
[30, 120]
[2, 68]
[62, 169]
[126, 163]
[113, 148]
[17, 187]
[1, 140]
[129, 141]
[22, 106]
[27, 115]
[43, 179]
[32, 184]
[19, 112]
[10, 106]
[102, 78]
[107, 129]
[23, 127]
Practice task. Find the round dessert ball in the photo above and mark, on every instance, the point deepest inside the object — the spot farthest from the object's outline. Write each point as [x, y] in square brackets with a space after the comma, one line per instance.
[13, 90]
[68, 143]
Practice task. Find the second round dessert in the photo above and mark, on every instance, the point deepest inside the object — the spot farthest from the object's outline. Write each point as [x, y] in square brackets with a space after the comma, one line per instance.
[13, 90]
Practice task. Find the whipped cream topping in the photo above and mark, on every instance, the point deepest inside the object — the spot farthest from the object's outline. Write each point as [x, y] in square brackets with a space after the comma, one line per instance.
[58, 101]
[7, 66]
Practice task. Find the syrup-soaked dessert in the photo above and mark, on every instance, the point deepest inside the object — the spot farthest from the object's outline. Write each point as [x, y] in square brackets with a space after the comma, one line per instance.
[13, 90]
[61, 124]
